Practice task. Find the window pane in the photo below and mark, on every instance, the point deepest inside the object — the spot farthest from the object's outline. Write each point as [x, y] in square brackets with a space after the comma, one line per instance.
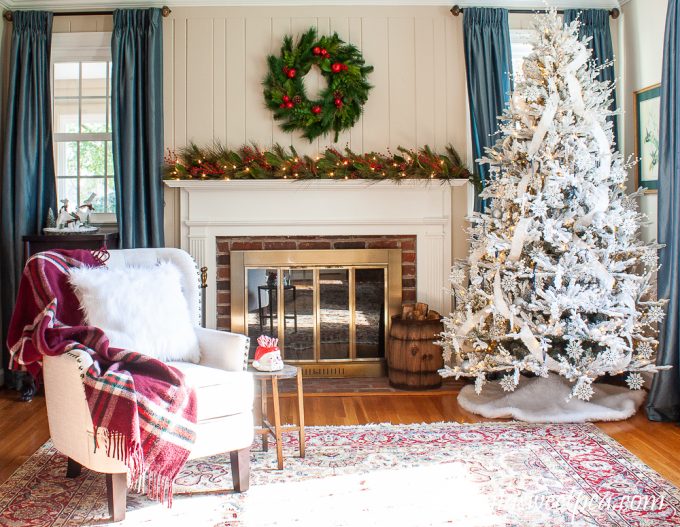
[94, 79]
[108, 115]
[66, 158]
[94, 115]
[66, 79]
[110, 70]
[92, 158]
[109, 158]
[67, 188]
[66, 115]
[110, 196]
[89, 186]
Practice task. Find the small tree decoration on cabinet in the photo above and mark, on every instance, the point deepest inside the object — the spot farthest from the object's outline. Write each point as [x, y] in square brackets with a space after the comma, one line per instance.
[559, 281]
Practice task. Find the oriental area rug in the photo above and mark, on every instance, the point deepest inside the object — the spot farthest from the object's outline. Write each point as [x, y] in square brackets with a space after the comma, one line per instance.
[488, 474]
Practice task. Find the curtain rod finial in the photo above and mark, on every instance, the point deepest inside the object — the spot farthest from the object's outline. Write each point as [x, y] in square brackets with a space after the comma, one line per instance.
[7, 15]
[165, 11]
[615, 13]
[456, 10]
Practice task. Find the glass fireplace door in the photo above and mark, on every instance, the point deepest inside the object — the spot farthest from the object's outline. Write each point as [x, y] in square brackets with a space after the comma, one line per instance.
[319, 314]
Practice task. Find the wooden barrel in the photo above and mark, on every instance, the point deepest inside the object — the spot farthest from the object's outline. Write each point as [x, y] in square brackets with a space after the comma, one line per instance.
[413, 358]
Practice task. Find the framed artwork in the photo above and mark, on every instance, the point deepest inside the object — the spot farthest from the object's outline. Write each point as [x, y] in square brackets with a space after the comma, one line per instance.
[647, 111]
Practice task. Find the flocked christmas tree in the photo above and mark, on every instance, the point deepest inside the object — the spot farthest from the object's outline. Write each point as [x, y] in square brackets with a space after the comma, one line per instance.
[559, 280]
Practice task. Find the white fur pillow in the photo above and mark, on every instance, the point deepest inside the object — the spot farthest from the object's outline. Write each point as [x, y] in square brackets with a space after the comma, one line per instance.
[139, 308]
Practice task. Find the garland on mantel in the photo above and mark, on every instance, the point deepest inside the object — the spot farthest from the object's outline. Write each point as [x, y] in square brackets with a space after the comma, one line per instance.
[250, 162]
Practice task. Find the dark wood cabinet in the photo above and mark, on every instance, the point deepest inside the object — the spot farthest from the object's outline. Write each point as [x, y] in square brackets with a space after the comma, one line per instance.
[106, 237]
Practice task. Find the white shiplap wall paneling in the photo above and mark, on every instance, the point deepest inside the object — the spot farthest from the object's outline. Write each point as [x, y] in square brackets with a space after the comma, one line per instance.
[215, 61]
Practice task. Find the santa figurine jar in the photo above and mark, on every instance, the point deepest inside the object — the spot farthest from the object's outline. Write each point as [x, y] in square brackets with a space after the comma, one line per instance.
[267, 354]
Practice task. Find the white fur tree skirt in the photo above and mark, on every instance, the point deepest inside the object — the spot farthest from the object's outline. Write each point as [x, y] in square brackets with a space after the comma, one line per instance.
[543, 400]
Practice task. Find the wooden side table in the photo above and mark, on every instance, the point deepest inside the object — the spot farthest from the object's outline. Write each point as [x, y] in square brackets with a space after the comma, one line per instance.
[105, 237]
[266, 428]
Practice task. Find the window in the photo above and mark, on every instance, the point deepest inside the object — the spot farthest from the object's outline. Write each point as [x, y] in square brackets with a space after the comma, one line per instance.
[81, 119]
[520, 47]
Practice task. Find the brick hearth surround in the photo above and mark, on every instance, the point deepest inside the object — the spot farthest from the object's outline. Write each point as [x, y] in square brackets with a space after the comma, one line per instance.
[225, 245]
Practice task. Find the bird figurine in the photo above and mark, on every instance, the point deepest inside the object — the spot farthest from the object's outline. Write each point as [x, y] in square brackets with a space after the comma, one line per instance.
[86, 208]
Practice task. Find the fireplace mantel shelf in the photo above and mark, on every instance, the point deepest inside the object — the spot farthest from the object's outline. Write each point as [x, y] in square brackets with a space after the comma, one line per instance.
[308, 184]
[433, 211]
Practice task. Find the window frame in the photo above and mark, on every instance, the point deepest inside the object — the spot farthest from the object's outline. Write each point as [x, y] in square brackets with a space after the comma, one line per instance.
[82, 47]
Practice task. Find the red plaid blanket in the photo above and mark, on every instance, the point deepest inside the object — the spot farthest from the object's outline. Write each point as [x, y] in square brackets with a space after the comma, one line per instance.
[141, 406]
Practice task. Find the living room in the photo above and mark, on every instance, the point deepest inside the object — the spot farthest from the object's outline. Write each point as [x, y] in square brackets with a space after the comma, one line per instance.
[339, 262]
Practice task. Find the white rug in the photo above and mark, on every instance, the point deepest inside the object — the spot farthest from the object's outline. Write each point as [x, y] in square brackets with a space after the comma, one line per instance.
[543, 400]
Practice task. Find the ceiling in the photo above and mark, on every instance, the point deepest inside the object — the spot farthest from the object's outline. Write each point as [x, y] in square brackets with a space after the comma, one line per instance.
[66, 5]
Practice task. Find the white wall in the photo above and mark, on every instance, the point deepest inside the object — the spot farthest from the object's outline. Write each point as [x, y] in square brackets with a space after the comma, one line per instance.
[642, 27]
[215, 61]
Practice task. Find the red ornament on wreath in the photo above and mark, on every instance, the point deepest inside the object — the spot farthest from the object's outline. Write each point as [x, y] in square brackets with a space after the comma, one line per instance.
[331, 56]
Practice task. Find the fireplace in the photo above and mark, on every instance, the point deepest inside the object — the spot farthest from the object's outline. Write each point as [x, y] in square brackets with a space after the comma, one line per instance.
[329, 308]
[204, 216]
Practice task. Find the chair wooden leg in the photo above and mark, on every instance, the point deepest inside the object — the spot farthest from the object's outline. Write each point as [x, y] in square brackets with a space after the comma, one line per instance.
[73, 469]
[240, 469]
[116, 493]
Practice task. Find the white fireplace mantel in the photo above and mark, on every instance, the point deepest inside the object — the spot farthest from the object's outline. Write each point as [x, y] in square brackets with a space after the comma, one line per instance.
[199, 212]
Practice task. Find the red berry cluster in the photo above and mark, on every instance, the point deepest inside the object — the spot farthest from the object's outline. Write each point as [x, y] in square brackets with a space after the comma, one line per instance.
[337, 67]
[321, 51]
[287, 103]
[289, 72]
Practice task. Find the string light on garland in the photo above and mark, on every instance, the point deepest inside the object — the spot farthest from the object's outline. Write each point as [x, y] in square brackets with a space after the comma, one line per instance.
[339, 104]
[251, 162]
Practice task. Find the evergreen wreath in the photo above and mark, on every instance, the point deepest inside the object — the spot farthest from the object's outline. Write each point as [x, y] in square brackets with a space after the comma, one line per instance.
[340, 103]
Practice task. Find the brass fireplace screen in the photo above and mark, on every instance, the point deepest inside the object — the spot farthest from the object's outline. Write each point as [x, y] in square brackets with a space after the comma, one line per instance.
[330, 309]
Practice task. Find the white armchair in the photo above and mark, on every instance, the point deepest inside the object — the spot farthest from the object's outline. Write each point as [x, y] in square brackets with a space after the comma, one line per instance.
[224, 393]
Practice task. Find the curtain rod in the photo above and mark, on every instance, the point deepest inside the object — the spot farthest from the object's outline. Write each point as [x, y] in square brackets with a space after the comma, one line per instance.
[7, 15]
[457, 10]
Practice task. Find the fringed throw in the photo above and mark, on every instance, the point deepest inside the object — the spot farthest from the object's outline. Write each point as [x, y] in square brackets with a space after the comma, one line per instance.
[140, 407]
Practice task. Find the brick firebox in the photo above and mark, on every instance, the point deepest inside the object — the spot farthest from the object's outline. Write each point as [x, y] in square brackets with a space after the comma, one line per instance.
[225, 245]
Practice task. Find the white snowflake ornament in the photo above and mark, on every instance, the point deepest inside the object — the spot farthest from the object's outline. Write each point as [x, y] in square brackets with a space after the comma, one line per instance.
[508, 383]
[635, 381]
[583, 390]
[655, 314]
[574, 349]
[650, 258]
[645, 350]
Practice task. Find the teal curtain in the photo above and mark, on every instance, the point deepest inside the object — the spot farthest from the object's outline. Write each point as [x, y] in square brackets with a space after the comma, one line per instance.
[137, 119]
[27, 187]
[664, 397]
[488, 64]
[595, 24]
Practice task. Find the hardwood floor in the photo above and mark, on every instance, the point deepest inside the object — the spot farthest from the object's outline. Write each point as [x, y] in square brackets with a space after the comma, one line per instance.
[23, 426]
